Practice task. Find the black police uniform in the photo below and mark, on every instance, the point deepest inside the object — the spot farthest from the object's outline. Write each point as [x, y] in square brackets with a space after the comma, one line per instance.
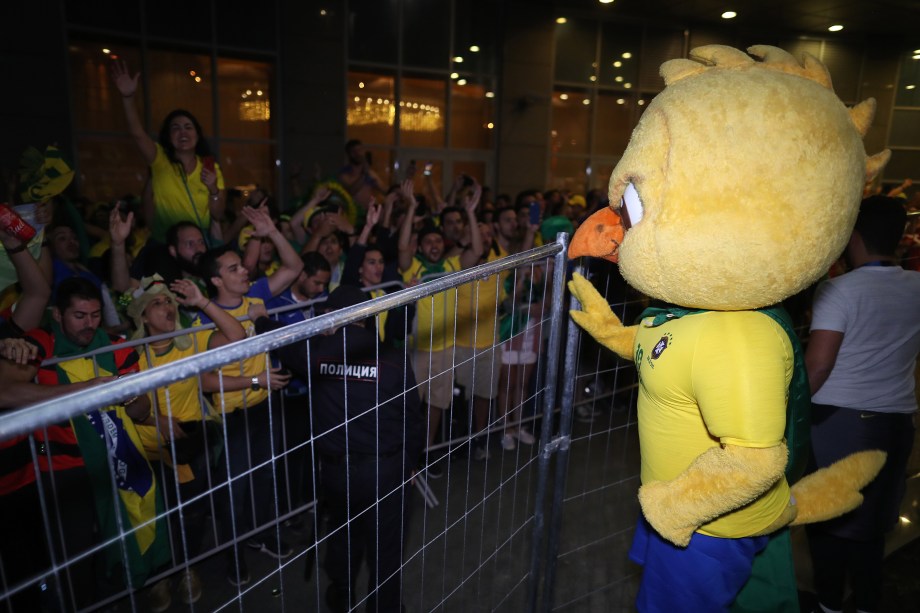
[368, 432]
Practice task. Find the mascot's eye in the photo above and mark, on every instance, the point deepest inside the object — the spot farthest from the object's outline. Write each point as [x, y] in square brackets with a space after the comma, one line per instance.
[630, 207]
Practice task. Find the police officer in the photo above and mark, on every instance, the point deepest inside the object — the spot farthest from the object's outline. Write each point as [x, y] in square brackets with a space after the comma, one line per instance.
[368, 434]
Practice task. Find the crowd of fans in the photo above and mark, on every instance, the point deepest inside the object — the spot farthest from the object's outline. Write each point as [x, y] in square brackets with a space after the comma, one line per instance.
[188, 251]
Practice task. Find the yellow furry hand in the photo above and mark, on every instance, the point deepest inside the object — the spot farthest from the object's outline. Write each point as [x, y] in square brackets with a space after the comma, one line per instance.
[718, 481]
[598, 320]
[832, 491]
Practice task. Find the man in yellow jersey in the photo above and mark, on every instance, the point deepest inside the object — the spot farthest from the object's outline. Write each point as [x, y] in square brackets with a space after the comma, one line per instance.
[435, 315]
[243, 394]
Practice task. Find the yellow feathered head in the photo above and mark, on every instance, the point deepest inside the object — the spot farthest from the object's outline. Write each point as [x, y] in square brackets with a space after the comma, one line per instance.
[740, 185]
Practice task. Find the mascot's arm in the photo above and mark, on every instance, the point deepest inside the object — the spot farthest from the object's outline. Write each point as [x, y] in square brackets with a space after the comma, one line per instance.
[719, 480]
[598, 320]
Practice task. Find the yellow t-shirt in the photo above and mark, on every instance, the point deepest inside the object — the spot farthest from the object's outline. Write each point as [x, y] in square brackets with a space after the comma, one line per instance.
[382, 317]
[477, 308]
[711, 378]
[434, 316]
[184, 401]
[173, 203]
[228, 402]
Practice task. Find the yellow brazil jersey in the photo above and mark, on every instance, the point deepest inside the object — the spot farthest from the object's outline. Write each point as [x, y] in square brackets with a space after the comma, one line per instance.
[184, 402]
[434, 316]
[229, 402]
[477, 308]
[175, 193]
[708, 379]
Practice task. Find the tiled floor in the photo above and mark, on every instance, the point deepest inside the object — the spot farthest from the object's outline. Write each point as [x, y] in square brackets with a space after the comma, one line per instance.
[478, 539]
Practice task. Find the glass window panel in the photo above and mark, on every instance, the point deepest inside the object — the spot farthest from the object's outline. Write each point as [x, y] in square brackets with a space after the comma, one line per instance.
[905, 128]
[471, 168]
[621, 47]
[247, 164]
[472, 117]
[576, 48]
[599, 178]
[382, 164]
[571, 121]
[660, 46]
[909, 78]
[180, 80]
[105, 14]
[904, 163]
[371, 109]
[372, 31]
[422, 112]
[109, 167]
[244, 98]
[475, 36]
[568, 173]
[238, 25]
[96, 103]
[179, 19]
[616, 118]
[426, 34]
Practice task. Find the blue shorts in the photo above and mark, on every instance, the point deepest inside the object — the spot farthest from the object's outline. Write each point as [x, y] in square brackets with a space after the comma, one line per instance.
[704, 576]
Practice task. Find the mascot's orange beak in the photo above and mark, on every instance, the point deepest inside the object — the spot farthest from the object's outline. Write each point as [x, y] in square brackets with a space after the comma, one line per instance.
[599, 236]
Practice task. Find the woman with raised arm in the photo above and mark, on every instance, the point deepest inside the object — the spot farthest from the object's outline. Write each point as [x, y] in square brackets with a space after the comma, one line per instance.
[187, 183]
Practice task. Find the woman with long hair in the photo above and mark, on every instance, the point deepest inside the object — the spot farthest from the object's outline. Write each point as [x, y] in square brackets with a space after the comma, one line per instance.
[187, 183]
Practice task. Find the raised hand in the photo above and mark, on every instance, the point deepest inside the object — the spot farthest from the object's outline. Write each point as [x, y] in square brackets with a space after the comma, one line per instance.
[374, 211]
[407, 191]
[599, 321]
[188, 294]
[119, 229]
[471, 201]
[126, 84]
[258, 216]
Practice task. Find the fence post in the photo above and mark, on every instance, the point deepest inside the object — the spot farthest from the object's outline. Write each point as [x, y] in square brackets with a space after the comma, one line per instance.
[567, 402]
[547, 444]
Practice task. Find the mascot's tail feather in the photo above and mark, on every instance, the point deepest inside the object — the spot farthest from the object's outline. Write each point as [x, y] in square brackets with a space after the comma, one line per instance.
[830, 492]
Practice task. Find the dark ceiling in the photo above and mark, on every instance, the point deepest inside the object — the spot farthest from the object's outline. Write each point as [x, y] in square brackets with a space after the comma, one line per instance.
[860, 18]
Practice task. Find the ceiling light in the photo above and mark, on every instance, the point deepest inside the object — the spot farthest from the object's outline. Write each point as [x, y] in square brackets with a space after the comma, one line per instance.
[322, 12]
[627, 85]
[561, 20]
[617, 64]
[592, 78]
[641, 102]
[490, 94]
[916, 57]
[618, 79]
[458, 59]
[619, 101]
[586, 102]
[197, 79]
[563, 96]
[192, 73]
[490, 125]
[106, 50]
[474, 48]
[729, 15]
[461, 82]
[627, 55]
[910, 87]
[455, 75]
[606, 1]
[835, 28]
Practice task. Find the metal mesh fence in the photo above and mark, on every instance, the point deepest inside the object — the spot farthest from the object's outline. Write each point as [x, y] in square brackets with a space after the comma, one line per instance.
[357, 486]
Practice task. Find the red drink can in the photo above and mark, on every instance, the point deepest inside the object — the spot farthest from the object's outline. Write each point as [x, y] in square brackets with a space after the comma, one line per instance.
[14, 225]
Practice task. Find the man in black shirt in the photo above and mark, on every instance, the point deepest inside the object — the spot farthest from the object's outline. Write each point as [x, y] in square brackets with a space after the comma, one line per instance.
[367, 424]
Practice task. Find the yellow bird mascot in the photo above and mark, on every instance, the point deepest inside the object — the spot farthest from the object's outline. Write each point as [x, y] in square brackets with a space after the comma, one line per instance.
[739, 188]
